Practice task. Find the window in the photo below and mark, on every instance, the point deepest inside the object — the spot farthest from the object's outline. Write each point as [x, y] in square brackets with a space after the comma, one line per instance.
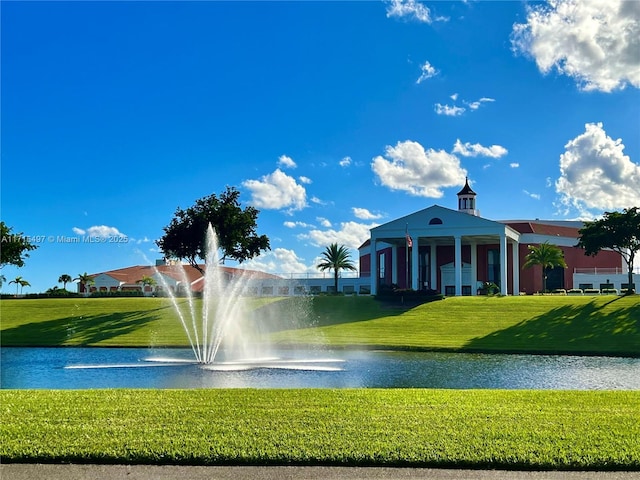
[493, 266]
[435, 221]
[381, 265]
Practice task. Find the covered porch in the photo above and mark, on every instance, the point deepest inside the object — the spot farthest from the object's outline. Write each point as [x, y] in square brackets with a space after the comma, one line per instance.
[451, 252]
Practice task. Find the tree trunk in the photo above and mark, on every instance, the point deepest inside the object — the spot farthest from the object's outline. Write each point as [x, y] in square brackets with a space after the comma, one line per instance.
[630, 269]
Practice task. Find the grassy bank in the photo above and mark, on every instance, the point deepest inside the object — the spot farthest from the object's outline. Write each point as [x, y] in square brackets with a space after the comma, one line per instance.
[605, 325]
[445, 428]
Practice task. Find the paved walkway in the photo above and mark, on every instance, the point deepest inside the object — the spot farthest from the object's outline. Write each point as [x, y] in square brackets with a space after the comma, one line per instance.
[155, 472]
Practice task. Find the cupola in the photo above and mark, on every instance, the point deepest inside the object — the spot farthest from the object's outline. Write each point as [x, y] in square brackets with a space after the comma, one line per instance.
[467, 200]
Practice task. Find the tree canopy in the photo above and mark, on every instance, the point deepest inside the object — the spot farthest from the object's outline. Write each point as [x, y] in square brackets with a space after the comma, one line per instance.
[85, 280]
[20, 282]
[14, 247]
[547, 256]
[185, 236]
[618, 231]
[336, 258]
[64, 279]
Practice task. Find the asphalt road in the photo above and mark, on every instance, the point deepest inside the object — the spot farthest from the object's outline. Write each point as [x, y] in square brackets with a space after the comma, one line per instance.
[155, 472]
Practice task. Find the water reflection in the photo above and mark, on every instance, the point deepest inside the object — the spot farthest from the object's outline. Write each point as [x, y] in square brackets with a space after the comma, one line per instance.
[48, 368]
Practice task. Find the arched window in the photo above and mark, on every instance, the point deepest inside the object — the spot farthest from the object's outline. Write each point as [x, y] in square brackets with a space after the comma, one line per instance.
[435, 221]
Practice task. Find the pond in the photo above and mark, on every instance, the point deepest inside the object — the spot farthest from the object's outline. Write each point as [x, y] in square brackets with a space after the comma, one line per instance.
[83, 368]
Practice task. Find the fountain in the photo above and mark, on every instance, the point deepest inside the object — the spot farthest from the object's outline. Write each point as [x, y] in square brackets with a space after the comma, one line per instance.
[222, 335]
[223, 319]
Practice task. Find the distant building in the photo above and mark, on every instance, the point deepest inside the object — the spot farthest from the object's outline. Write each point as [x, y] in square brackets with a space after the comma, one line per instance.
[174, 277]
[455, 251]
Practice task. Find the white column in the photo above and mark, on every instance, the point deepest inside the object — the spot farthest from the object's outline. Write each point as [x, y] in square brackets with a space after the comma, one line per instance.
[394, 264]
[414, 264]
[503, 264]
[516, 267]
[474, 268]
[433, 266]
[458, 265]
[374, 266]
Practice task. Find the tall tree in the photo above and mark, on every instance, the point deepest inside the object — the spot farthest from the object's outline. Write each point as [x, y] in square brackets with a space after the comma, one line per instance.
[85, 280]
[20, 282]
[2, 280]
[546, 255]
[64, 279]
[618, 231]
[336, 258]
[13, 247]
[185, 236]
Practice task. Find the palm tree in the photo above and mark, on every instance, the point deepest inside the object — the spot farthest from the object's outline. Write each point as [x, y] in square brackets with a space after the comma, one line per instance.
[337, 258]
[146, 280]
[547, 256]
[85, 280]
[64, 279]
[20, 282]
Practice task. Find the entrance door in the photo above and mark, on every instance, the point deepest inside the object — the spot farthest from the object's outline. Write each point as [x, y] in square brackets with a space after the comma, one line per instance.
[555, 278]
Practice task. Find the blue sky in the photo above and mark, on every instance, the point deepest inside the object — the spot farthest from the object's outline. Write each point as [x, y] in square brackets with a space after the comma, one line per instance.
[329, 117]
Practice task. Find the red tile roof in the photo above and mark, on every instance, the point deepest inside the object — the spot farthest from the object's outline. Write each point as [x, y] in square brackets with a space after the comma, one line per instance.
[544, 229]
[131, 275]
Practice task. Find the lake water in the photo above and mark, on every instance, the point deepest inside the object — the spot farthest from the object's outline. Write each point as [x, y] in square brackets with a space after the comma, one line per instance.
[83, 368]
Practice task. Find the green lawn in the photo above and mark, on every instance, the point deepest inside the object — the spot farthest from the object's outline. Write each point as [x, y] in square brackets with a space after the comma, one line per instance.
[421, 427]
[552, 324]
[444, 428]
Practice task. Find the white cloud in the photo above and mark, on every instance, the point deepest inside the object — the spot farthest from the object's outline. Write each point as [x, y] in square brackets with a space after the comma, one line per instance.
[345, 162]
[279, 260]
[535, 196]
[456, 111]
[286, 162]
[318, 201]
[324, 222]
[595, 42]
[276, 191]
[475, 105]
[410, 9]
[449, 110]
[411, 168]
[305, 180]
[428, 71]
[364, 214]
[296, 224]
[100, 231]
[514, 165]
[596, 174]
[351, 235]
[473, 150]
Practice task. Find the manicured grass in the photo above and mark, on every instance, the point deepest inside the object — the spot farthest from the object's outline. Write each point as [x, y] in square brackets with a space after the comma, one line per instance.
[445, 428]
[129, 322]
[473, 428]
[607, 325]
[591, 325]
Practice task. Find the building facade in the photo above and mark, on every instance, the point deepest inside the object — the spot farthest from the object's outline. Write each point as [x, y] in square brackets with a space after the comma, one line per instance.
[457, 252]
